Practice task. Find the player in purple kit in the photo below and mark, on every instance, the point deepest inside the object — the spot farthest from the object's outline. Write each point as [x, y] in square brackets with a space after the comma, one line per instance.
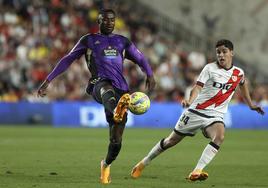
[105, 53]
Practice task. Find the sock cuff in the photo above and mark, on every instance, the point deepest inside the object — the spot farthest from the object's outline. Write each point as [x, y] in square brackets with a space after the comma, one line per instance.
[162, 144]
[214, 145]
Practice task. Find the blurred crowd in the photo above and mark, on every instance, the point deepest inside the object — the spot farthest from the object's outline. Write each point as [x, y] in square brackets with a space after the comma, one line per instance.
[36, 34]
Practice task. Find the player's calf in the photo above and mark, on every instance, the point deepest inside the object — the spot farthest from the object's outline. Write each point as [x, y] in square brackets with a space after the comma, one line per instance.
[113, 151]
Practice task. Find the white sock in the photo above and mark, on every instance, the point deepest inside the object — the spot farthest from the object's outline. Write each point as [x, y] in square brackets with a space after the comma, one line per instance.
[208, 154]
[155, 151]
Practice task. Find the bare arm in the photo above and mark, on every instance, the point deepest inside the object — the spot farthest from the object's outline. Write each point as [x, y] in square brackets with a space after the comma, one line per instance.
[245, 93]
[194, 93]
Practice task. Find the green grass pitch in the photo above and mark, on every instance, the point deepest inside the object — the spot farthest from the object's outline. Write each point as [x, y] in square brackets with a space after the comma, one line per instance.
[70, 158]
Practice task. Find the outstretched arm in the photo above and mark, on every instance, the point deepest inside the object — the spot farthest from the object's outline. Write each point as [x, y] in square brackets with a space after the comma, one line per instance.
[194, 93]
[245, 93]
[78, 50]
[133, 54]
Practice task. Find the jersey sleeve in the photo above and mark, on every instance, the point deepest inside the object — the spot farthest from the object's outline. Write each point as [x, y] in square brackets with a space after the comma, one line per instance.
[78, 50]
[203, 76]
[242, 81]
[132, 53]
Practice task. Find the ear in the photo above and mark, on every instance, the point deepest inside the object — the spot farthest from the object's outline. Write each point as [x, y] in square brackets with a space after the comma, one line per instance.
[232, 53]
[100, 17]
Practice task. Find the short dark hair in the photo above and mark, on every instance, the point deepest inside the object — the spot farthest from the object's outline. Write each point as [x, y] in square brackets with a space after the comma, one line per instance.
[224, 42]
[103, 11]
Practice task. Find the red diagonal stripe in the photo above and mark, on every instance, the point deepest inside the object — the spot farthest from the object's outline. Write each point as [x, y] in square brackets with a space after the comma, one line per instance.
[219, 98]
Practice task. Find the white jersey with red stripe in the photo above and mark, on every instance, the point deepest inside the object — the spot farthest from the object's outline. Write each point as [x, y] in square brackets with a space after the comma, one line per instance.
[219, 85]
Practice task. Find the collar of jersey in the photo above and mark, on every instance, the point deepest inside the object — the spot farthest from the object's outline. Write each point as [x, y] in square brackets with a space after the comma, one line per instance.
[109, 35]
[223, 67]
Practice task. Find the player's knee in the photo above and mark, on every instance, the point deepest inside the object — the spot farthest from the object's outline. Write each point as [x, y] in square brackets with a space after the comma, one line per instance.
[108, 95]
[221, 138]
[116, 140]
[172, 141]
[218, 139]
[116, 143]
[169, 142]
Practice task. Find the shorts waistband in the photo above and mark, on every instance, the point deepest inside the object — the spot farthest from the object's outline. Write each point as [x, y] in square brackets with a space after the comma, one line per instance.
[200, 114]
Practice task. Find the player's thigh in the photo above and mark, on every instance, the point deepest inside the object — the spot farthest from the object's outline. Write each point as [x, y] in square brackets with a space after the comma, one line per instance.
[214, 129]
[100, 88]
[188, 124]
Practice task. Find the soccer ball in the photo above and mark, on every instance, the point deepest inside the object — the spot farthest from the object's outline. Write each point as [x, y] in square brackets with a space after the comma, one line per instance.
[139, 103]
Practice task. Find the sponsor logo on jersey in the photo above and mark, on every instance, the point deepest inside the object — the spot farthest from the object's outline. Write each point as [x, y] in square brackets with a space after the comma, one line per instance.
[110, 52]
[222, 86]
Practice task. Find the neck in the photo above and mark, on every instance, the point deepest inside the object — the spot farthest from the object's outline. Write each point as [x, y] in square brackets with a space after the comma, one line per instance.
[103, 33]
[227, 67]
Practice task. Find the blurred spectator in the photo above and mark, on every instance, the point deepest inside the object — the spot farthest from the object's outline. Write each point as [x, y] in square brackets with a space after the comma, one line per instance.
[197, 60]
[35, 34]
[260, 95]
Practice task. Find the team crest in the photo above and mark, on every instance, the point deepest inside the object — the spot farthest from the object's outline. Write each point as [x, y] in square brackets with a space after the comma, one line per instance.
[97, 42]
[234, 78]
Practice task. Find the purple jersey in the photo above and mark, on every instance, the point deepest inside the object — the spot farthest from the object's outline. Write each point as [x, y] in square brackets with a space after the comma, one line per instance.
[104, 55]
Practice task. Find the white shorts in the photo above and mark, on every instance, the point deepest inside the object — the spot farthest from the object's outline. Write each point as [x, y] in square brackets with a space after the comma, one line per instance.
[191, 121]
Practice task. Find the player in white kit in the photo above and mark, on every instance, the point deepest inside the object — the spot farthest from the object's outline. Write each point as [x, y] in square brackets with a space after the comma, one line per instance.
[207, 105]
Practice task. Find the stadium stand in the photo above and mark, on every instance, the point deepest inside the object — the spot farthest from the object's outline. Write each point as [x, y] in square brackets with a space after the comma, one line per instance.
[34, 36]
